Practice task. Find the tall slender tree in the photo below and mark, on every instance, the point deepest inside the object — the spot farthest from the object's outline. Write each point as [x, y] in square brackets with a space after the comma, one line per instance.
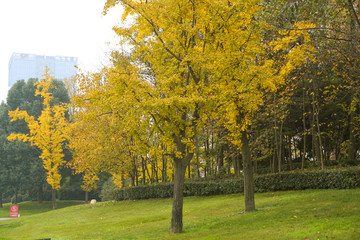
[48, 132]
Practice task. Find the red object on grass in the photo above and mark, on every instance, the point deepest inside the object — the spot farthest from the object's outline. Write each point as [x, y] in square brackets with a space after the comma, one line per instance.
[14, 211]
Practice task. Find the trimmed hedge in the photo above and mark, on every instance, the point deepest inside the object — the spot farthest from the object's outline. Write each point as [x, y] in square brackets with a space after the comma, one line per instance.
[336, 178]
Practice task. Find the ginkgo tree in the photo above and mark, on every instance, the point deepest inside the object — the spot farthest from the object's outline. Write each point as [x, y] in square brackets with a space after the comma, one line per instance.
[48, 132]
[201, 59]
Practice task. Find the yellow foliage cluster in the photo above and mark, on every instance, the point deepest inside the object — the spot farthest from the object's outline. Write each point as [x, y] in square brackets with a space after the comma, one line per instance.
[48, 132]
[190, 61]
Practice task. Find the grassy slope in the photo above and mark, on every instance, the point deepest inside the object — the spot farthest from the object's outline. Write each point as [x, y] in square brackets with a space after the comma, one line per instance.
[312, 214]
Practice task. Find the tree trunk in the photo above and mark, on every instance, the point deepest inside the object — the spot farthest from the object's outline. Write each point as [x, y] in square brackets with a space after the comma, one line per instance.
[220, 160]
[352, 139]
[273, 162]
[236, 165]
[319, 138]
[316, 126]
[248, 174]
[315, 142]
[197, 160]
[143, 166]
[164, 167]
[255, 167]
[276, 146]
[177, 208]
[304, 128]
[290, 153]
[53, 194]
[1, 200]
[280, 146]
[135, 180]
[16, 197]
[86, 197]
[40, 194]
[189, 171]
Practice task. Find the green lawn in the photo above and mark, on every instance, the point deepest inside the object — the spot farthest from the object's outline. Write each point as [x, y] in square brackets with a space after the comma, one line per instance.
[310, 214]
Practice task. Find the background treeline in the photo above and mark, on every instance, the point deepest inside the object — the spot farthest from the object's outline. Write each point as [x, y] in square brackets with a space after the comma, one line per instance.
[311, 122]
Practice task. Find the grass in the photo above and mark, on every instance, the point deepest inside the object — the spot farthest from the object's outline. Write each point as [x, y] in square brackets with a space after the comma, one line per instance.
[310, 214]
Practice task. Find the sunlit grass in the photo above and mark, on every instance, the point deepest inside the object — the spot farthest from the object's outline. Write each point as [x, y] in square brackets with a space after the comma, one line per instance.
[312, 214]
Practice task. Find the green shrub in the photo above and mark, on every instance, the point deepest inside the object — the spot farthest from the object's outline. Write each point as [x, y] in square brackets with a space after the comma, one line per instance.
[334, 179]
[337, 178]
[108, 190]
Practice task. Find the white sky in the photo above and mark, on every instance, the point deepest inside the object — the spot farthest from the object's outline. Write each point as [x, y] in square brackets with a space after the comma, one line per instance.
[56, 28]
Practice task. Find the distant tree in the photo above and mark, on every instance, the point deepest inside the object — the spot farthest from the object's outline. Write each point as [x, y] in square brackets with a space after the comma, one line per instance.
[48, 132]
[21, 163]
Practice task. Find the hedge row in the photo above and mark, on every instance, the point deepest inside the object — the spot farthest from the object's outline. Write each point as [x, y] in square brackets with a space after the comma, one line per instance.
[338, 179]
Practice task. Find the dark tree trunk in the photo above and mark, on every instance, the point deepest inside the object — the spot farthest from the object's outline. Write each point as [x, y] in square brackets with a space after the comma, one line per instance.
[236, 165]
[273, 162]
[352, 139]
[16, 197]
[53, 195]
[280, 154]
[1, 200]
[189, 170]
[143, 166]
[156, 172]
[316, 133]
[315, 142]
[86, 197]
[163, 176]
[304, 128]
[40, 194]
[207, 158]
[197, 157]
[135, 178]
[290, 153]
[220, 160]
[255, 166]
[248, 174]
[177, 208]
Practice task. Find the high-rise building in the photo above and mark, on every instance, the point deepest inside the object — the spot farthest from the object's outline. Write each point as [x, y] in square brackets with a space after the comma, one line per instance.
[25, 66]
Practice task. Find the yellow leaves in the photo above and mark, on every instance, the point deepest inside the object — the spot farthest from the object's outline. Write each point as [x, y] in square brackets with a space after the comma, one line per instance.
[47, 133]
[297, 45]
[190, 60]
[118, 179]
[89, 181]
[19, 136]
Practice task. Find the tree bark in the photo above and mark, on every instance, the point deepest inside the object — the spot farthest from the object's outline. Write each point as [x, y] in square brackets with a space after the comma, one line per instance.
[40, 194]
[352, 139]
[180, 165]
[53, 195]
[290, 153]
[197, 158]
[319, 138]
[16, 197]
[236, 165]
[280, 146]
[304, 127]
[273, 162]
[164, 167]
[143, 166]
[177, 208]
[86, 197]
[1, 200]
[248, 174]
[317, 144]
